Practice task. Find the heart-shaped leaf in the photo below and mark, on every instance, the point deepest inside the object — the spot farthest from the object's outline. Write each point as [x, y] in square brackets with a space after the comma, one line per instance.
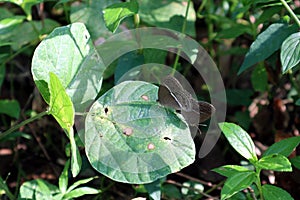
[130, 138]
[69, 53]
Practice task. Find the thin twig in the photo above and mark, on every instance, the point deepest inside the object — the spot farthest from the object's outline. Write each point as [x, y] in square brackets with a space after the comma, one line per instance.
[195, 179]
[190, 188]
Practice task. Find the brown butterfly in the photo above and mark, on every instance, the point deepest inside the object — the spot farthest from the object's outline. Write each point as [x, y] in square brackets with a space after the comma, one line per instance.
[172, 94]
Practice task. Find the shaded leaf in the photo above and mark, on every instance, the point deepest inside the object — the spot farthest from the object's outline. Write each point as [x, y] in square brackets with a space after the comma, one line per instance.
[296, 161]
[89, 13]
[154, 189]
[167, 14]
[10, 108]
[267, 43]
[259, 79]
[290, 52]
[284, 147]
[271, 192]
[240, 140]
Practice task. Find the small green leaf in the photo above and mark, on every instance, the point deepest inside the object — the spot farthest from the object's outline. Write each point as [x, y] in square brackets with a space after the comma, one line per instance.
[37, 190]
[8, 24]
[297, 103]
[115, 13]
[267, 43]
[284, 147]
[168, 14]
[230, 170]
[296, 162]
[76, 161]
[154, 189]
[61, 106]
[10, 107]
[80, 192]
[290, 52]
[63, 178]
[14, 135]
[240, 140]
[259, 79]
[276, 162]
[271, 192]
[236, 183]
[80, 182]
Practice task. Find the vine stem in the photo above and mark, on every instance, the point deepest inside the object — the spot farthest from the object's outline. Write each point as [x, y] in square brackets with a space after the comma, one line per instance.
[183, 32]
[12, 129]
[291, 12]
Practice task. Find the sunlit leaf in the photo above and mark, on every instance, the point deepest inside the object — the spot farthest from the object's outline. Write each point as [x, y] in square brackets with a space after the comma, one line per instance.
[290, 52]
[133, 139]
[275, 162]
[240, 140]
[115, 13]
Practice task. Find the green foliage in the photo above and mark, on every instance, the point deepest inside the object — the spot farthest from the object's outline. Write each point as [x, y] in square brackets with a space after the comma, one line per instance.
[41, 189]
[267, 43]
[239, 178]
[130, 139]
[114, 14]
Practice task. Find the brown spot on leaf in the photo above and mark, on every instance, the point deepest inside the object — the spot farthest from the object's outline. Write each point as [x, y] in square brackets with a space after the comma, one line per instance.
[146, 98]
[151, 146]
[128, 131]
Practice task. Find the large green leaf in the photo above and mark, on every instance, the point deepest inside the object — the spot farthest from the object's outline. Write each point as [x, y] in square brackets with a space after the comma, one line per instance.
[69, 53]
[240, 140]
[236, 183]
[267, 43]
[290, 52]
[130, 138]
[275, 162]
[114, 14]
[271, 192]
[90, 13]
[167, 14]
[283, 147]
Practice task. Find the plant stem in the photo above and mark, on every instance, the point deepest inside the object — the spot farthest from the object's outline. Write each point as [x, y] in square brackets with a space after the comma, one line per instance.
[258, 183]
[5, 188]
[291, 12]
[183, 32]
[12, 129]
